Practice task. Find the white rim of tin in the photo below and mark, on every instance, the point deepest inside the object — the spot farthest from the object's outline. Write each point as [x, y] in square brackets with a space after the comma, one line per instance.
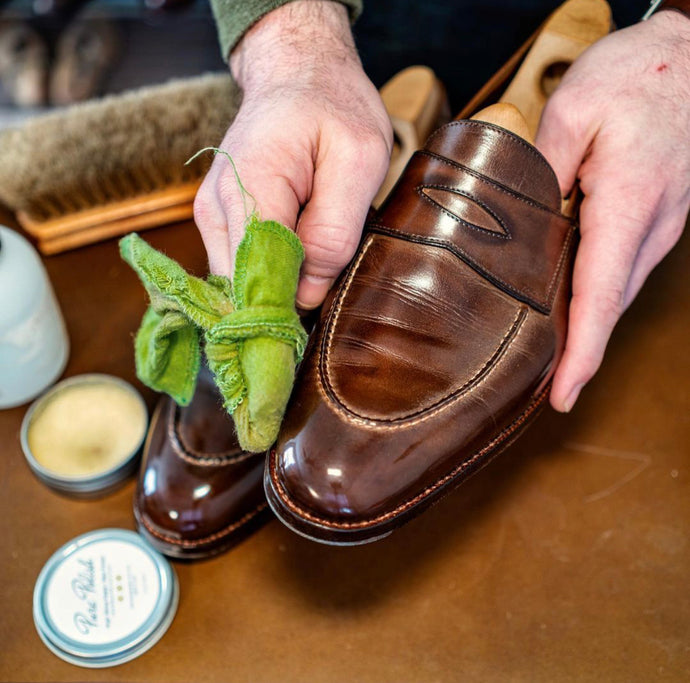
[91, 483]
[126, 648]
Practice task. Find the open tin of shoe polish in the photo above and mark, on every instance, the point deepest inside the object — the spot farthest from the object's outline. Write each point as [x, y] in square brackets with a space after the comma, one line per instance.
[83, 436]
[104, 598]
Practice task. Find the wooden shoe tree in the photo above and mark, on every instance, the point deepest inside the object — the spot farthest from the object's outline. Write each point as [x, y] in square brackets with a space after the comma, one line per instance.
[562, 38]
[506, 116]
[565, 35]
[416, 103]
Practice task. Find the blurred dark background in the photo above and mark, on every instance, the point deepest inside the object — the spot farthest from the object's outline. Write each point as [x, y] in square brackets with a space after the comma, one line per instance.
[55, 52]
[463, 41]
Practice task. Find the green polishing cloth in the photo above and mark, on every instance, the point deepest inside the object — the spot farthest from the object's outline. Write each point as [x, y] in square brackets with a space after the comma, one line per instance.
[253, 336]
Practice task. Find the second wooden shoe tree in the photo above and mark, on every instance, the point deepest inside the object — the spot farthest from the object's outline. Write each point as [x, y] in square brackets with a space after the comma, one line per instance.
[540, 63]
[565, 35]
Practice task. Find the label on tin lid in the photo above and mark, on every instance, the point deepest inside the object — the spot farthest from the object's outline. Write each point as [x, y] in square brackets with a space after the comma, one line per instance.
[104, 598]
[102, 593]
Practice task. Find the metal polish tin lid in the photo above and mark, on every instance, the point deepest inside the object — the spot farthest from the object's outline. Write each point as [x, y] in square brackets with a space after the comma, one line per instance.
[104, 598]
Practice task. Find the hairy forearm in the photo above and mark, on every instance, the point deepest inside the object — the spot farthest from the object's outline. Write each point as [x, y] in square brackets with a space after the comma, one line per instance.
[235, 17]
[305, 35]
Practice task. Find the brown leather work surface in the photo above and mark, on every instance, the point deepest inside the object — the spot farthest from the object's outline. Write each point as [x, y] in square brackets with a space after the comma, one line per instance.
[567, 559]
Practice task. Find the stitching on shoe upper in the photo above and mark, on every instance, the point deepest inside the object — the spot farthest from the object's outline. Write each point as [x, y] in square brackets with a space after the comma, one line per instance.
[468, 195]
[542, 306]
[488, 450]
[201, 459]
[417, 417]
[504, 133]
[497, 185]
[205, 539]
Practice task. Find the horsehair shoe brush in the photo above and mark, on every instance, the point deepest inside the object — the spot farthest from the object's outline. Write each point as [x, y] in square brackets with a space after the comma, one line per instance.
[106, 167]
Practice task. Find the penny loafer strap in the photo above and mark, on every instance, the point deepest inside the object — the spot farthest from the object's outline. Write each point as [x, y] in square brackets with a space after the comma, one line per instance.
[484, 215]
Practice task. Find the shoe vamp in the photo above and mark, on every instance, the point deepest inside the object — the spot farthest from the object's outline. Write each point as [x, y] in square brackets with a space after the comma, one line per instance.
[416, 330]
[204, 427]
[184, 497]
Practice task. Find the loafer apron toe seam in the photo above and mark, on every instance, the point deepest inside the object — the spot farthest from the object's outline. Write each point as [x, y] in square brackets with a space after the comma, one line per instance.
[427, 412]
[485, 453]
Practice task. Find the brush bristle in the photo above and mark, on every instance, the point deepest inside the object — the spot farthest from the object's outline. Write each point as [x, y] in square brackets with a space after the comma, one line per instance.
[114, 148]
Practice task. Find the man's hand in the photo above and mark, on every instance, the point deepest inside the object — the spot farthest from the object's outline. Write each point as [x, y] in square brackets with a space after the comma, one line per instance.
[311, 143]
[620, 123]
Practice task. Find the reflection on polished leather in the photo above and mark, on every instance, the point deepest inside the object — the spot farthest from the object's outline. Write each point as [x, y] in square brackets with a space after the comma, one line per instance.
[198, 492]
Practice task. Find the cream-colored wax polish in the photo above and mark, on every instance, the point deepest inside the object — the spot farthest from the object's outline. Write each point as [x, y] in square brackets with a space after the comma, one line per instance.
[84, 428]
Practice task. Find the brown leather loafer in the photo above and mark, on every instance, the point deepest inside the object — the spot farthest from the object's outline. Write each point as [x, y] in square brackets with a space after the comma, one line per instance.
[198, 493]
[438, 344]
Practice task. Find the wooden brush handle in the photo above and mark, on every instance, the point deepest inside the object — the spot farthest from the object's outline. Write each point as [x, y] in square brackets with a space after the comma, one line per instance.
[115, 228]
[142, 211]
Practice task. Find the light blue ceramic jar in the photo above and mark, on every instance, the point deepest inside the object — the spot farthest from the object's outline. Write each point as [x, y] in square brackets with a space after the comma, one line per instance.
[33, 340]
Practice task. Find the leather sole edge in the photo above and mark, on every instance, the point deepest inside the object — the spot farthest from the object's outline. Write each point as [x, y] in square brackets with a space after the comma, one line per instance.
[205, 547]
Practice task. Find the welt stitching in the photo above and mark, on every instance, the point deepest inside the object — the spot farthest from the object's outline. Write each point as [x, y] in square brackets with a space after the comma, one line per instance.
[468, 195]
[533, 299]
[211, 537]
[403, 507]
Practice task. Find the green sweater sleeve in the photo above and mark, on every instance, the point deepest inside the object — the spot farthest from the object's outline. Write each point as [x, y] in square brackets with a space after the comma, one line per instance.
[235, 17]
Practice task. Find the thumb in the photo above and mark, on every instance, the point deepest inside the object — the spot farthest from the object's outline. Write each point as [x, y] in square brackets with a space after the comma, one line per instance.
[331, 223]
[561, 139]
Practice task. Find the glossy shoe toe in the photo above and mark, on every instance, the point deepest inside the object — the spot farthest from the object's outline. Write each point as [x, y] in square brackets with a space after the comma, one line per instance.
[198, 493]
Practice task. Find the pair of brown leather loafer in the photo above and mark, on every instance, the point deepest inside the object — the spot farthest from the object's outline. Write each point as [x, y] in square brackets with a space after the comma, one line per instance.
[198, 493]
[432, 353]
